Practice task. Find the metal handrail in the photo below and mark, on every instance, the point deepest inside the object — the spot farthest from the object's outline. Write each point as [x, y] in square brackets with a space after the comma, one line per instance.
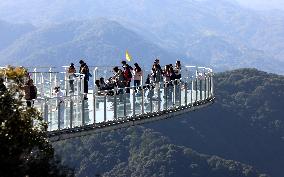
[190, 91]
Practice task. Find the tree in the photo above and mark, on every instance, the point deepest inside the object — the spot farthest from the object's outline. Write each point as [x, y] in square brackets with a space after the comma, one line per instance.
[24, 147]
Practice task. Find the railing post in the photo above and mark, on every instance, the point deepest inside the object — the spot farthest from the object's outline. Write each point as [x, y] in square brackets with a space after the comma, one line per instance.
[196, 89]
[124, 102]
[151, 100]
[71, 111]
[83, 110]
[50, 82]
[200, 87]
[185, 93]
[35, 76]
[212, 85]
[45, 110]
[66, 82]
[159, 97]
[191, 92]
[58, 115]
[42, 86]
[166, 95]
[208, 86]
[205, 88]
[115, 104]
[94, 105]
[78, 82]
[179, 92]
[82, 84]
[133, 101]
[55, 79]
[174, 93]
[143, 97]
[105, 108]
[95, 91]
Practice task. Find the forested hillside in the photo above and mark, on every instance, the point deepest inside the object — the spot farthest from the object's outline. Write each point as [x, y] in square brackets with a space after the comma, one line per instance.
[245, 124]
[141, 152]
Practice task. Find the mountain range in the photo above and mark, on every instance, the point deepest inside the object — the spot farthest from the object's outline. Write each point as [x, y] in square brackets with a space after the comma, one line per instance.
[100, 42]
[220, 33]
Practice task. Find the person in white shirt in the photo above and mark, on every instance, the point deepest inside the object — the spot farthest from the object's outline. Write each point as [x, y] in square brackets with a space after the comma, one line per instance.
[60, 104]
[138, 73]
[178, 69]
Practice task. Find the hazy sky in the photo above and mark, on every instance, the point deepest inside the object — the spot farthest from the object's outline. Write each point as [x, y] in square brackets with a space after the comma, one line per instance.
[263, 4]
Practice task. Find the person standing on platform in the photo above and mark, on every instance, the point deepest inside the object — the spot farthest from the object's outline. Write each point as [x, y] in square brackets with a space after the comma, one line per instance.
[138, 73]
[158, 66]
[119, 79]
[30, 92]
[178, 70]
[71, 76]
[60, 104]
[84, 69]
[127, 75]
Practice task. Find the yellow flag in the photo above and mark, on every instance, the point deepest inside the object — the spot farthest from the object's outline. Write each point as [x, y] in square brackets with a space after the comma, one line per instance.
[128, 56]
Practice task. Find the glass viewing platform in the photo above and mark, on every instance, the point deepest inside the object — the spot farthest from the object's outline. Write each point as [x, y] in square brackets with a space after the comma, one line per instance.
[108, 107]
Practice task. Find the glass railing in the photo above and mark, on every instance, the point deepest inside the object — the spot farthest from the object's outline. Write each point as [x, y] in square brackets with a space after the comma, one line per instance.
[117, 104]
[74, 110]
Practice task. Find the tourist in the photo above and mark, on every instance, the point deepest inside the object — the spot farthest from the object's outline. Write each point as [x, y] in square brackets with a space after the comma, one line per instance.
[119, 79]
[71, 76]
[156, 73]
[127, 76]
[30, 92]
[157, 63]
[178, 69]
[60, 104]
[138, 74]
[84, 69]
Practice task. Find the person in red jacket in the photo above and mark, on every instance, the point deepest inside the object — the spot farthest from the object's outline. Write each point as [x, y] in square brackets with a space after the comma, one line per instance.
[128, 76]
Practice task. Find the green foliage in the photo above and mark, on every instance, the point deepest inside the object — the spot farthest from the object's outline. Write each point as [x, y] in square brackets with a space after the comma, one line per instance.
[245, 123]
[142, 152]
[17, 76]
[25, 150]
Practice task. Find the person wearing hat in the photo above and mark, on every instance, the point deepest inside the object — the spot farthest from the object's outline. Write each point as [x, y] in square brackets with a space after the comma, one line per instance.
[84, 69]
[71, 76]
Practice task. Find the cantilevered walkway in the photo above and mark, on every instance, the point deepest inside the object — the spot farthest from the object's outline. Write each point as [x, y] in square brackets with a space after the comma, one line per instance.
[72, 116]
